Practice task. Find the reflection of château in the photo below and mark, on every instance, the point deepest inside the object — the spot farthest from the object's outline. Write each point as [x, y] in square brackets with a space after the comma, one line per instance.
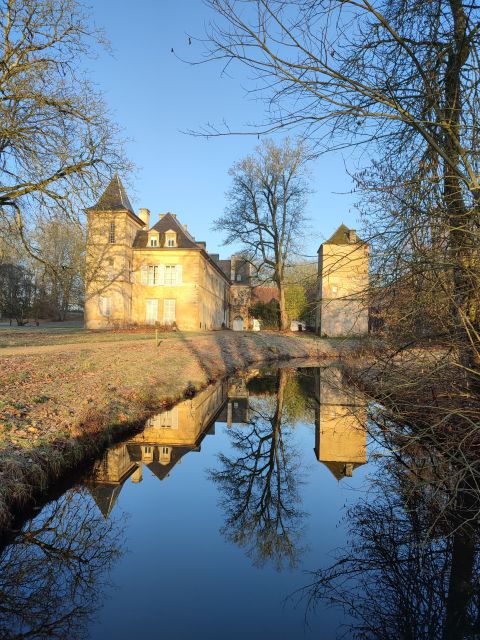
[167, 437]
[340, 436]
[236, 410]
[340, 419]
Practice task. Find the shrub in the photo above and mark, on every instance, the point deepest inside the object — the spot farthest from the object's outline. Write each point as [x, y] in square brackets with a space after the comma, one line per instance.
[267, 312]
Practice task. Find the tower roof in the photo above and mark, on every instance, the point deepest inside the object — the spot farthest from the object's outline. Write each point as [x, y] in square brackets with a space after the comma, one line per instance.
[342, 236]
[114, 198]
[337, 469]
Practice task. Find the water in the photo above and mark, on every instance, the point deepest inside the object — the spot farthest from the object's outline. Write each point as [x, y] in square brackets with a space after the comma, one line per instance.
[206, 524]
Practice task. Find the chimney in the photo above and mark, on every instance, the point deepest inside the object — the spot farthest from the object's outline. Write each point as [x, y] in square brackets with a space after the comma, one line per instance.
[352, 236]
[144, 215]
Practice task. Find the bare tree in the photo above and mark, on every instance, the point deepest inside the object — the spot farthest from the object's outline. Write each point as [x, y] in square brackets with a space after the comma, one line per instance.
[17, 291]
[57, 141]
[54, 570]
[396, 577]
[62, 245]
[259, 484]
[266, 210]
[399, 78]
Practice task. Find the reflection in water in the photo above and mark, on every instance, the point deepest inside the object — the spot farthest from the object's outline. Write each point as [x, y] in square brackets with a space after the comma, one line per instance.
[259, 483]
[54, 574]
[411, 566]
[340, 419]
[50, 576]
[166, 438]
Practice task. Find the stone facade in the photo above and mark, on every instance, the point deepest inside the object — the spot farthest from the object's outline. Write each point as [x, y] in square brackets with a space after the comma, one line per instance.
[166, 439]
[340, 424]
[139, 274]
[342, 307]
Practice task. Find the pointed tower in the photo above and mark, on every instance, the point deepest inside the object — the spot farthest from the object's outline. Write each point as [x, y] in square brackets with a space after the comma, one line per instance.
[112, 227]
[342, 304]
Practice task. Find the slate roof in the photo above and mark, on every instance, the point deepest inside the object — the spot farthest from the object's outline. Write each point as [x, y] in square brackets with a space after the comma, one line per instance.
[163, 470]
[341, 236]
[105, 496]
[166, 223]
[226, 267]
[114, 198]
[337, 469]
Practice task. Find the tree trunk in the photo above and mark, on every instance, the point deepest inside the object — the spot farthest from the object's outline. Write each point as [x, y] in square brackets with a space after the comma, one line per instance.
[459, 214]
[458, 622]
[283, 313]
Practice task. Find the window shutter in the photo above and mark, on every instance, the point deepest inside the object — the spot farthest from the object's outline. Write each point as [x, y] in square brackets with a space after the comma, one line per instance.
[161, 274]
[144, 274]
[179, 273]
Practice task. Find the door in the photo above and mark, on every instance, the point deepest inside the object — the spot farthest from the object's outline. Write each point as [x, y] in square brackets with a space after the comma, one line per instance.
[152, 311]
[169, 311]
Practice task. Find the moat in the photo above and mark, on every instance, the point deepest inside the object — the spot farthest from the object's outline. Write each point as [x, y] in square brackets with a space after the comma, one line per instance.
[210, 522]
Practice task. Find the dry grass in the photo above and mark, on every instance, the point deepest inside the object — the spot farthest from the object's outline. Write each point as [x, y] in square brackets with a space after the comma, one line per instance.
[58, 407]
[40, 336]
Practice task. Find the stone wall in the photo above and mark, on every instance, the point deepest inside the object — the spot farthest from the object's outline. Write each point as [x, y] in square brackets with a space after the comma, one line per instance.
[342, 308]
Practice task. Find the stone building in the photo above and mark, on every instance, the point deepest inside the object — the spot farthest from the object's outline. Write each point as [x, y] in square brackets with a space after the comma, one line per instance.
[240, 292]
[160, 447]
[138, 273]
[340, 424]
[342, 307]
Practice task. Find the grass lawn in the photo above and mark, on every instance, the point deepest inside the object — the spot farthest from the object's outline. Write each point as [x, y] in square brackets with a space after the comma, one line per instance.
[54, 335]
[58, 406]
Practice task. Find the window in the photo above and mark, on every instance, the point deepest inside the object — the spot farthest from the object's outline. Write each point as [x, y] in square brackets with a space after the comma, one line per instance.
[153, 242]
[239, 277]
[170, 274]
[105, 305]
[147, 453]
[171, 239]
[152, 311]
[111, 234]
[334, 288]
[153, 274]
[162, 274]
[169, 311]
[165, 455]
[168, 419]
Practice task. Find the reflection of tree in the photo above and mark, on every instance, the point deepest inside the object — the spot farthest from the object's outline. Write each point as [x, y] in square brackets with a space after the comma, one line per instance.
[49, 575]
[407, 573]
[260, 485]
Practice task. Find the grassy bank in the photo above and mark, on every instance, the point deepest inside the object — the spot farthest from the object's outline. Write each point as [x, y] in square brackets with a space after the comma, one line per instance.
[60, 405]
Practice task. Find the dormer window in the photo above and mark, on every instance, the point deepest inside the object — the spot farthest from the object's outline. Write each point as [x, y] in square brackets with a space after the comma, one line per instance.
[153, 240]
[171, 239]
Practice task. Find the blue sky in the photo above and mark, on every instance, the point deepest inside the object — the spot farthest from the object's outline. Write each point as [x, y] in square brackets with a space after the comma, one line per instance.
[155, 96]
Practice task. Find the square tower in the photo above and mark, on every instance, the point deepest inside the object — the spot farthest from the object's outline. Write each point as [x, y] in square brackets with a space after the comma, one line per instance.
[342, 302]
[112, 228]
